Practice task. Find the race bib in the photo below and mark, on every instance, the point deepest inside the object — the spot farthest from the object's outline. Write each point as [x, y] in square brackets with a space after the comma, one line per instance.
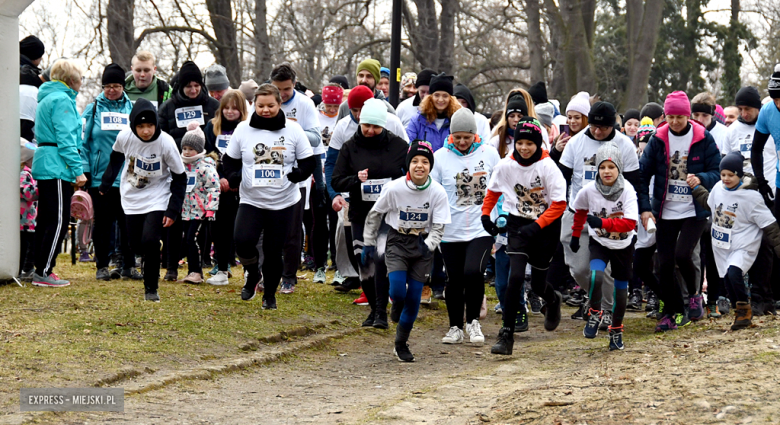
[371, 189]
[113, 121]
[222, 142]
[148, 168]
[268, 175]
[413, 218]
[184, 116]
[721, 237]
[679, 191]
[588, 174]
[745, 146]
[191, 175]
[502, 240]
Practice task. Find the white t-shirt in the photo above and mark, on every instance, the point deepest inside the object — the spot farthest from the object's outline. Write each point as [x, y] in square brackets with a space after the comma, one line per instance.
[465, 179]
[510, 141]
[28, 102]
[327, 126]
[483, 127]
[301, 109]
[580, 156]
[737, 219]
[267, 157]
[740, 139]
[626, 206]
[678, 202]
[412, 211]
[145, 183]
[528, 191]
[347, 127]
[719, 133]
[644, 239]
[406, 111]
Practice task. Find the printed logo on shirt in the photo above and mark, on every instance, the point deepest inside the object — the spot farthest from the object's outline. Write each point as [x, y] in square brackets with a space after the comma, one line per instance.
[471, 186]
[617, 212]
[292, 113]
[326, 136]
[678, 166]
[678, 190]
[266, 155]
[530, 201]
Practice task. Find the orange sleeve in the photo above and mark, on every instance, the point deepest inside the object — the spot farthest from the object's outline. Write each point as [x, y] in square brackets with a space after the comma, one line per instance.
[551, 214]
[580, 217]
[490, 201]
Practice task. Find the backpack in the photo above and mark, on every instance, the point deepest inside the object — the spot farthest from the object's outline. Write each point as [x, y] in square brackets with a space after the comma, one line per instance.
[81, 208]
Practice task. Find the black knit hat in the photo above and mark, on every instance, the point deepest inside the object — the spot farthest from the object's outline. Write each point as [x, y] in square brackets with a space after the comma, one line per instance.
[602, 113]
[419, 147]
[340, 80]
[188, 73]
[32, 47]
[424, 78]
[441, 82]
[529, 128]
[652, 110]
[538, 93]
[733, 162]
[774, 83]
[516, 103]
[113, 74]
[748, 96]
[631, 114]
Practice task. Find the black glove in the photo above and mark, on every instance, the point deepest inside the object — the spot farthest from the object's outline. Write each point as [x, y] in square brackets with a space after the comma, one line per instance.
[88, 184]
[574, 244]
[295, 176]
[489, 226]
[528, 231]
[766, 192]
[594, 221]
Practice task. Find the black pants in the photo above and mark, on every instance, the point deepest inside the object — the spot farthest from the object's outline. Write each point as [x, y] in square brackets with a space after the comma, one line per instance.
[145, 231]
[274, 225]
[760, 273]
[293, 241]
[27, 251]
[192, 229]
[709, 268]
[676, 240]
[465, 263]
[52, 223]
[108, 210]
[373, 277]
[319, 236]
[735, 284]
[173, 237]
[223, 236]
[644, 269]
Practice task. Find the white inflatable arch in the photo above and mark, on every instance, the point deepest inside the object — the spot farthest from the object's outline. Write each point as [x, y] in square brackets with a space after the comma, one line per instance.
[9, 136]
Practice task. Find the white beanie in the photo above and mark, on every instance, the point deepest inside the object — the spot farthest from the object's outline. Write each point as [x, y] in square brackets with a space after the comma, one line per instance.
[580, 103]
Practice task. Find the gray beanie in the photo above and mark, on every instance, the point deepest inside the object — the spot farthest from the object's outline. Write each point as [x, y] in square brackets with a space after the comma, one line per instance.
[609, 151]
[463, 120]
[545, 112]
[194, 138]
[216, 78]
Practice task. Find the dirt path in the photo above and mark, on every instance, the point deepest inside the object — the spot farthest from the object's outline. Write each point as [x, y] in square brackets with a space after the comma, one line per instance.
[698, 375]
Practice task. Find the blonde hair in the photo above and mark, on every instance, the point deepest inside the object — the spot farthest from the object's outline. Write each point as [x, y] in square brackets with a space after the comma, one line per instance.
[428, 109]
[67, 71]
[501, 128]
[232, 96]
[143, 56]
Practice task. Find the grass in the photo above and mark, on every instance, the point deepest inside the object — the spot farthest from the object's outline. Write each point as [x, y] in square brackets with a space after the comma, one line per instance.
[74, 336]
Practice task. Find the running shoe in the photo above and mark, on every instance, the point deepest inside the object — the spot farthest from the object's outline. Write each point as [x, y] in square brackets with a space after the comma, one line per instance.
[497, 309]
[681, 320]
[250, 290]
[193, 278]
[695, 308]
[506, 340]
[218, 279]
[606, 321]
[338, 279]
[26, 276]
[666, 323]
[474, 329]
[85, 258]
[402, 352]
[102, 274]
[652, 301]
[521, 321]
[152, 296]
[536, 303]
[712, 311]
[724, 305]
[214, 270]
[319, 277]
[361, 300]
[51, 281]
[427, 294]
[578, 314]
[269, 302]
[172, 275]
[635, 302]
[286, 288]
[349, 284]
[132, 273]
[454, 336]
[591, 329]
[115, 273]
[576, 297]
[616, 338]
[438, 295]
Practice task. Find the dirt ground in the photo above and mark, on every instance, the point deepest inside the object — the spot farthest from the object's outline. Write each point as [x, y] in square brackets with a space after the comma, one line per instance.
[702, 374]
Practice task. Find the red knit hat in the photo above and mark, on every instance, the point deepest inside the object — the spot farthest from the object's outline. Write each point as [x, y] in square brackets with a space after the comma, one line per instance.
[358, 96]
[332, 95]
[677, 103]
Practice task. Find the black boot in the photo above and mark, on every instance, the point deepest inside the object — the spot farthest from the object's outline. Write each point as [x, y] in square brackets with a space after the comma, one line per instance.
[380, 319]
[506, 341]
[369, 320]
[552, 312]
[401, 349]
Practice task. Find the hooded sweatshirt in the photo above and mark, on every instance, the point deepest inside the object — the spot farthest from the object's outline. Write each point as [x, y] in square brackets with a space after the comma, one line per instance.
[102, 122]
[158, 91]
[58, 132]
[483, 124]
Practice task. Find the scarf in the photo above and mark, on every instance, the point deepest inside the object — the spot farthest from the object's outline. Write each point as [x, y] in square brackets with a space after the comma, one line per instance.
[611, 193]
[530, 161]
[229, 126]
[271, 124]
[477, 143]
[193, 159]
[413, 186]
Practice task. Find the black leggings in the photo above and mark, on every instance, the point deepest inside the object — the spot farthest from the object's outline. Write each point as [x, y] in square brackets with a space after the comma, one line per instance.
[676, 240]
[192, 229]
[274, 225]
[52, 223]
[320, 236]
[173, 237]
[26, 262]
[709, 268]
[760, 273]
[223, 236]
[374, 279]
[145, 231]
[735, 285]
[465, 263]
[644, 269]
[292, 241]
[108, 210]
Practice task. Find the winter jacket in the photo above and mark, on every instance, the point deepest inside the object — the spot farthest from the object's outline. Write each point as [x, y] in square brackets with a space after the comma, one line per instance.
[167, 112]
[28, 191]
[384, 156]
[202, 201]
[58, 132]
[164, 90]
[211, 142]
[420, 128]
[96, 143]
[703, 161]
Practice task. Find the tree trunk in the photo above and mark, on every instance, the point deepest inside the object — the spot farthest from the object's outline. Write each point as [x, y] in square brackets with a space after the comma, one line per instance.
[535, 44]
[226, 52]
[424, 33]
[119, 14]
[732, 60]
[449, 13]
[263, 60]
[643, 24]
[580, 71]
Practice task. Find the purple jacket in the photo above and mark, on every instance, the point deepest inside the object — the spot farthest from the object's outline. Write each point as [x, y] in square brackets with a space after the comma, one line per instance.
[420, 128]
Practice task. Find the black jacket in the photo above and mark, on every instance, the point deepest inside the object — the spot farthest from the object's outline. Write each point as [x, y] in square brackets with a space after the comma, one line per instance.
[167, 112]
[384, 156]
[211, 143]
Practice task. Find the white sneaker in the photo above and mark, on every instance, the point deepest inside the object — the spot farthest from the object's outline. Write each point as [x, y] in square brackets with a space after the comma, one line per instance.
[219, 279]
[338, 279]
[454, 336]
[475, 333]
[319, 277]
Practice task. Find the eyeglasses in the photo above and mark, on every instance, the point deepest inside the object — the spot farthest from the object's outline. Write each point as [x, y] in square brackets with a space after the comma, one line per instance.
[112, 87]
[602, 128]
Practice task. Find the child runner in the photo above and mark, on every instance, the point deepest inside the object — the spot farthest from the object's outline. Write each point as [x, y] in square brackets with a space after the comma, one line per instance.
[609, 205]
[202, 198]
[28, 193]
[152, 186]
[535, 196]
[739, 218]
[416, 209]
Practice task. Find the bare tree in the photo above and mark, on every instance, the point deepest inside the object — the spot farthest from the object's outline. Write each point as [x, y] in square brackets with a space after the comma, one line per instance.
[120, 27]
[575, 22]
[433, 48]
[643, 19]
[535, 44]
[226, 51]
[263, 54]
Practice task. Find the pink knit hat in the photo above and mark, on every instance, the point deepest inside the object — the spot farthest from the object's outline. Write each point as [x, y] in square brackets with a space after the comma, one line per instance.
[677, 103]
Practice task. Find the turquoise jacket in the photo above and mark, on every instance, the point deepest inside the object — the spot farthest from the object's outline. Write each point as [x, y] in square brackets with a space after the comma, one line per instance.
[97, 144]
[58, 133]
